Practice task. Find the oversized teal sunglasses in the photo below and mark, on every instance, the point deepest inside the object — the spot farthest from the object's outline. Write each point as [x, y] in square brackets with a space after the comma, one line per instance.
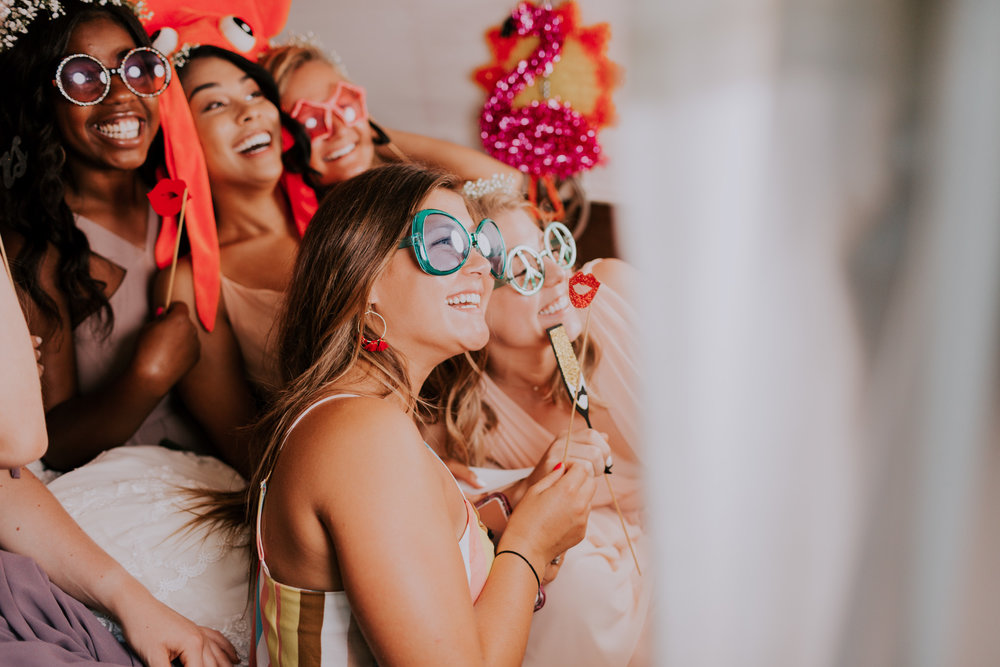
[442, 244]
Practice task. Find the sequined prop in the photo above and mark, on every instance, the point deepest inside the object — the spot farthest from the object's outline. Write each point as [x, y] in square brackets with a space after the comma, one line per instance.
[582, 289]
[547, 137]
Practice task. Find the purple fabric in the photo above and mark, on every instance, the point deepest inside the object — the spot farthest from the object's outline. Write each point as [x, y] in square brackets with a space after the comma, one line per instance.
[41, 625]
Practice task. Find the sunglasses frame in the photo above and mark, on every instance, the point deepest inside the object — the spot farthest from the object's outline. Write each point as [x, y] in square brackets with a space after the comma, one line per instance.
[330, 110]
[110, 71]
[566, 240]
[416, 241]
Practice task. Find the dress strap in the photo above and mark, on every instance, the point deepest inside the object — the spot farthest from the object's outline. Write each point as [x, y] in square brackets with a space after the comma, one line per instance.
[263, 484]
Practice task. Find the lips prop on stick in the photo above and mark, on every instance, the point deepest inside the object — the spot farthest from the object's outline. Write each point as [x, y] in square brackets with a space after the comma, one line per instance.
[168, 198]
[582, 290]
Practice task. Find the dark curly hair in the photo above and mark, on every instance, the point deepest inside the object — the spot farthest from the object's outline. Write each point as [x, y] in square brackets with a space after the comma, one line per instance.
[296, 158]
[34, 207]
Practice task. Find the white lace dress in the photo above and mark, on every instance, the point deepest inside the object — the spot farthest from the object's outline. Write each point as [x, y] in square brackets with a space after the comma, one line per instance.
[131, 501]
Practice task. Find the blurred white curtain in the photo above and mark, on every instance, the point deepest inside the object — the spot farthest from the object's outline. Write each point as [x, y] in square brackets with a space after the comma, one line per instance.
[813, 428]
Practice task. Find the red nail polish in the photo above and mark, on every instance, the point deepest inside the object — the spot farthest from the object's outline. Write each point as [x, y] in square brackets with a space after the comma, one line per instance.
[159, 311]
[558, 465]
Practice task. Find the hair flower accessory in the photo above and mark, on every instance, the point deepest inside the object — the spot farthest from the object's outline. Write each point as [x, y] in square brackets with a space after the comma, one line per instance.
[495, 183]
[16, 17]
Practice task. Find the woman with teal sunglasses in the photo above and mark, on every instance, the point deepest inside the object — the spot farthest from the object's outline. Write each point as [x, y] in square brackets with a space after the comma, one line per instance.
[353, 513]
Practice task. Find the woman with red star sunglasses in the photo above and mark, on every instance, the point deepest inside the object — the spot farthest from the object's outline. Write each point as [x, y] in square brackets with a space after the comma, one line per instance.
[345, 141]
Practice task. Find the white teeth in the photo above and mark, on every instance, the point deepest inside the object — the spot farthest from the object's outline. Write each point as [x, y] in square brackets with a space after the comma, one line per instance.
[255, 142]
[337, 154]
[559, 304]
[471, 299]
[122, 128]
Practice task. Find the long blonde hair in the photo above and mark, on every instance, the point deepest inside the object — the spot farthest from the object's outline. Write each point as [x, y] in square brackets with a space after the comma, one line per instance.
[283, 61]
[457, 387]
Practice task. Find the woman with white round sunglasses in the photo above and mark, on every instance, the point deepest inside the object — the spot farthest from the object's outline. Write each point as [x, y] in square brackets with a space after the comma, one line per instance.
[516, 414]
[81, 113]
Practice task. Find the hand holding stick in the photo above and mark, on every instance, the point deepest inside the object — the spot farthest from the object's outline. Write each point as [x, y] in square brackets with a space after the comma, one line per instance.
[572, 374]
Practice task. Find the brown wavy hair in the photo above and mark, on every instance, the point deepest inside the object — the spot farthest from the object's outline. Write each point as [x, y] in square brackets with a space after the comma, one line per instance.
[348, 244]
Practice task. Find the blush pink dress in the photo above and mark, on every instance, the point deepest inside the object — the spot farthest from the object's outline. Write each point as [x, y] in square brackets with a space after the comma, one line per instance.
[253, 314]
[596, 609]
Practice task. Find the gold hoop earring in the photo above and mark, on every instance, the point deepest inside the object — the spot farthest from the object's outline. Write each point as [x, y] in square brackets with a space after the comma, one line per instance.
[379, 344]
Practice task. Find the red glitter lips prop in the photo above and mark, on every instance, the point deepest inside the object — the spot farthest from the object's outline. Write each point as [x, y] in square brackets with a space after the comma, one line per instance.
[583, 289]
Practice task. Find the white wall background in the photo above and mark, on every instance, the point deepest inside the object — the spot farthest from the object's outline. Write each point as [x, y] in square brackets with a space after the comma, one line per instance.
[416, 59]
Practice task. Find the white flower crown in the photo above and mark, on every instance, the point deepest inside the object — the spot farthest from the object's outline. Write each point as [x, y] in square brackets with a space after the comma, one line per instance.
[16, 17]
[495, 183]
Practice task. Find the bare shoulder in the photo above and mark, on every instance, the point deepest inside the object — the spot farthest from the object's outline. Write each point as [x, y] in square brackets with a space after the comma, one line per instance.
[353, 431]
[619, 276]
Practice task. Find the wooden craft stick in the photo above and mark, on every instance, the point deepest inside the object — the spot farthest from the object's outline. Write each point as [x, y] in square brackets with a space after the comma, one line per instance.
[575, 395]
[621, 518]
[177, 248]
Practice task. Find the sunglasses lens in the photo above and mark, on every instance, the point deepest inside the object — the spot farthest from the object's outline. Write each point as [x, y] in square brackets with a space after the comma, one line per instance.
[490, 242]
[146, 72]
[83, 79]
[561, 244]
[350, 105]
[526, 270]
[313, 120]
[445, 242]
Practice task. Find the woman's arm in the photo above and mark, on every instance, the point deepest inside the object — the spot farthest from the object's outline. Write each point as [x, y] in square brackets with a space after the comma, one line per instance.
[467, 163]
[34, 524]
[22, 423]
[81, 426]
[621, 277]
[394, 517]
[215, 390]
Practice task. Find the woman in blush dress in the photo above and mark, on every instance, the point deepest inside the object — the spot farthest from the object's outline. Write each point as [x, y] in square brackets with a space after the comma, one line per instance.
[516, 413]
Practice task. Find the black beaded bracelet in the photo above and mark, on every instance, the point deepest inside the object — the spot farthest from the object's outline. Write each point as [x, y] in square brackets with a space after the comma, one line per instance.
[508, 551]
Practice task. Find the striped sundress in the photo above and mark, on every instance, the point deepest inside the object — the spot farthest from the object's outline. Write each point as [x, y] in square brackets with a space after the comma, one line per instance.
[297, 626]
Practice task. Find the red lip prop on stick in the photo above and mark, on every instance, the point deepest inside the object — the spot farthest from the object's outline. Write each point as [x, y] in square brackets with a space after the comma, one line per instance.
[167, 197]
[583, 289]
